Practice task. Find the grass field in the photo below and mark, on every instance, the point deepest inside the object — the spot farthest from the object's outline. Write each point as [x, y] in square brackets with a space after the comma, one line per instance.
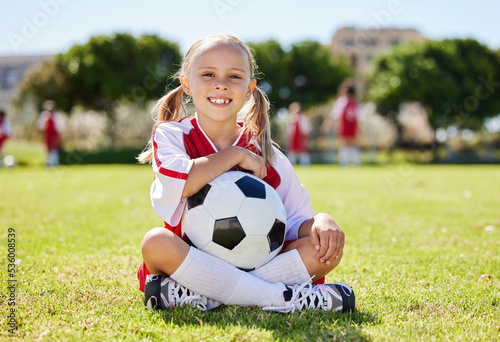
[422, 254]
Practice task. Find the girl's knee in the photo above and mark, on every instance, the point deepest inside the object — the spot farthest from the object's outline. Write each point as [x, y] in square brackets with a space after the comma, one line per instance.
[323, 268]
[155, 240]
[163, 251]
[313, 265]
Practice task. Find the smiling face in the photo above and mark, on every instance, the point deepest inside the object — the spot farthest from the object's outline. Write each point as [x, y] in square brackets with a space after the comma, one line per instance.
[219, 81]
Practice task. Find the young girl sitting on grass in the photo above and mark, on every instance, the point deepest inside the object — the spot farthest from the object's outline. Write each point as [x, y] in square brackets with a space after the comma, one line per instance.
[187, 153]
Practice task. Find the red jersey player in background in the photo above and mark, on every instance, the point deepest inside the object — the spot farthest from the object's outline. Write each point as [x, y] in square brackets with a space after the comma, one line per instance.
[52, 125]
[299, 129]
[345, 113]
[5, 131]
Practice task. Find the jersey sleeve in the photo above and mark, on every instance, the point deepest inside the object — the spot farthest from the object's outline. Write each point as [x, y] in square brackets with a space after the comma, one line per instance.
[42, 119]
[171, 165]
[294, 195]
[305, 124]
[338, 107]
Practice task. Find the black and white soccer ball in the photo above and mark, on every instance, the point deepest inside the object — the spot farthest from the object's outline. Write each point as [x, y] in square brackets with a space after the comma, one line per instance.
[238, 218]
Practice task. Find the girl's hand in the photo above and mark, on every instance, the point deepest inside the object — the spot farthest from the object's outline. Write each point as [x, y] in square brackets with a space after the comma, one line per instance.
[205, 169]
[253, 163]
[327, 238]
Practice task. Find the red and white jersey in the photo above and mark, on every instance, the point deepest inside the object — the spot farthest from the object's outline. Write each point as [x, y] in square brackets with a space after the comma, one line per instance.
[52, 125]
[299, 130]
[45, 116]
[5, 128]
[176, 144]
[5, 131]
[346, 112]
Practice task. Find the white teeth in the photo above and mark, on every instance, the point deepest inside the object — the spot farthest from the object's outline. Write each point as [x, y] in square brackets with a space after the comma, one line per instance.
[219, 101]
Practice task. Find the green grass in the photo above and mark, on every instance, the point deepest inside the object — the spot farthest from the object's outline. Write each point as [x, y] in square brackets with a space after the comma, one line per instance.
[422, 254]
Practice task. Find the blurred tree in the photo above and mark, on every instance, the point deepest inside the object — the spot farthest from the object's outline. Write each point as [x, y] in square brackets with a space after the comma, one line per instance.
[273, 72]
[314, 75]
[307, 73]
[456, 80]
[46, 80]
[105, 70]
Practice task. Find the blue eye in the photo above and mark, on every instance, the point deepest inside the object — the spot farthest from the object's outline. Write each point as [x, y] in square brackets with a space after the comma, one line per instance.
[235, 76]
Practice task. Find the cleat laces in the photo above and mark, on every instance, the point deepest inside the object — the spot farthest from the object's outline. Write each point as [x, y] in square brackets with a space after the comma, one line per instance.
[309, 296]
[179, 295]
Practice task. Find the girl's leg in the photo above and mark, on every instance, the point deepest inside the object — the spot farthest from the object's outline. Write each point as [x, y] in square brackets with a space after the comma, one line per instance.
[308, 254]
[200, 273]
[53, 158]
[356, 155]
[163, 251]
[166, 254]
[344, 156]
[305, 159]
[287, 268]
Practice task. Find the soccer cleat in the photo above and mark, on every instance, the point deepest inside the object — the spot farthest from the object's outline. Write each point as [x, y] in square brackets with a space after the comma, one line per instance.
[328, 297]
[164, 292]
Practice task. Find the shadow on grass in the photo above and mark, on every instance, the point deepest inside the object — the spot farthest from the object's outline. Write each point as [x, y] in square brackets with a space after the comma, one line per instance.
[305, 325]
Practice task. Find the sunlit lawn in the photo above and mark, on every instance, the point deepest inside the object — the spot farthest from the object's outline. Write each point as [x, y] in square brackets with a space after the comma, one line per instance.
[422, 254]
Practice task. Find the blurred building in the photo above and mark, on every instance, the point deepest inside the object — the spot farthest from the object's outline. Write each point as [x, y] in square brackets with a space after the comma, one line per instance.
[362, 45]
[12, 69]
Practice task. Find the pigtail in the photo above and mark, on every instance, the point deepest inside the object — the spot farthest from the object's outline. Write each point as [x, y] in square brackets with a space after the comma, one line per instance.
[256, 120]
[168, 108]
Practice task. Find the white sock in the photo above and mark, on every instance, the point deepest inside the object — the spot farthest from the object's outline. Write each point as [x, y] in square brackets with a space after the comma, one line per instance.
[344, 156]
[287, 268]
[305, 159]
[218, 280]
[53, 158]
[356, 155]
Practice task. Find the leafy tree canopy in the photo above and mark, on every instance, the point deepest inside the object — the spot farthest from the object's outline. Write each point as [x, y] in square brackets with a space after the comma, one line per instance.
[456, 80]
[307, 73]
[104, 70]
[121, 67]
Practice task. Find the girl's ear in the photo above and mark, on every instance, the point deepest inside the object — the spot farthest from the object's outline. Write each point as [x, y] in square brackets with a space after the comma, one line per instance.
[185, 84]
[251, 88]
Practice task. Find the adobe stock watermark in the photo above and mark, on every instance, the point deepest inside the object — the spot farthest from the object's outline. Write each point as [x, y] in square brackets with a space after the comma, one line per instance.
[150, 81]
[403, 172]
[483, 91]
[222, 7]
[32, 25]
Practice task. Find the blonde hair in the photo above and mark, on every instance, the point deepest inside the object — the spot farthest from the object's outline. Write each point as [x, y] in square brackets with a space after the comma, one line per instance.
[254, 113]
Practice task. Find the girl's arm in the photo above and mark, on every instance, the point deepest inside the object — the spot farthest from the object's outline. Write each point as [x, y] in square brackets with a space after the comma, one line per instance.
[326, 236]
[206, 169]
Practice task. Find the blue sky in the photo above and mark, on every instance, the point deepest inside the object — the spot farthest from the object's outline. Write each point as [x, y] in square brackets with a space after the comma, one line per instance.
[52, 26]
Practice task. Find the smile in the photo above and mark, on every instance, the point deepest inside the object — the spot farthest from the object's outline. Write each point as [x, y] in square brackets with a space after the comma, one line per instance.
[219, 100]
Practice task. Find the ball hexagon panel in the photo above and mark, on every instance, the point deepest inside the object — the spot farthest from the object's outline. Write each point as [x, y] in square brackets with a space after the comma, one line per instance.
[198, 217]
[256, 213]
[251, 187]
[228, 194]
[252, 252]
[244, 256]
[276, 235]
[228, 232]
[218, 251]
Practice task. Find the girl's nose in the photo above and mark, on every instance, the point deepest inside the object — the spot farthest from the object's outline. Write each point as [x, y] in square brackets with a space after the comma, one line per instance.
[220, 85]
